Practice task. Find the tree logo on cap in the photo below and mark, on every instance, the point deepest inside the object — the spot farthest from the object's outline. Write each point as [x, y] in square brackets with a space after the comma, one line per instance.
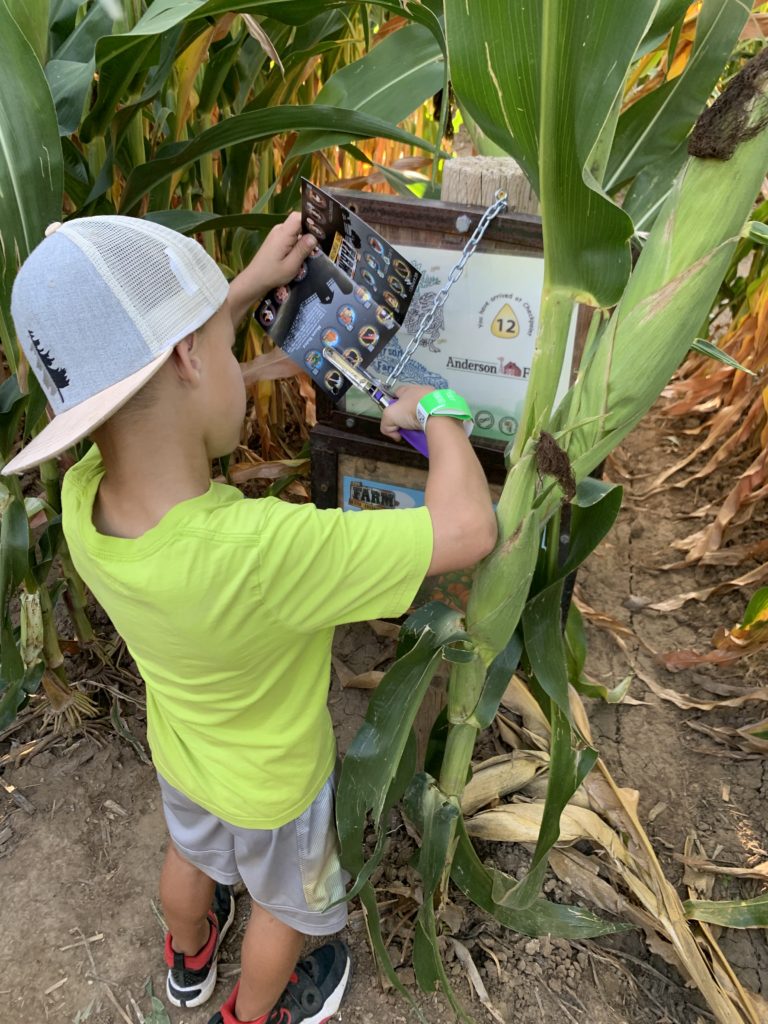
[55, 375]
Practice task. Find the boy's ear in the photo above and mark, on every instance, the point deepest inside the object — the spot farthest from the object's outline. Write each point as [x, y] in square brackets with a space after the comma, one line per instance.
[186, 359]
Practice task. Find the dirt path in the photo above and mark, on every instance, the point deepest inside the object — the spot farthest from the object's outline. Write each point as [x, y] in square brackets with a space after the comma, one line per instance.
[80, 933]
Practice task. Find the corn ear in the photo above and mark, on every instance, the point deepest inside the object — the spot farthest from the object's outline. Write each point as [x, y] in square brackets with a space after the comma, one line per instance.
[677, 276]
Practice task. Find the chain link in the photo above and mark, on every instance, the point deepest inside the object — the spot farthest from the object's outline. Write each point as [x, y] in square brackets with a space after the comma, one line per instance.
[456, 271]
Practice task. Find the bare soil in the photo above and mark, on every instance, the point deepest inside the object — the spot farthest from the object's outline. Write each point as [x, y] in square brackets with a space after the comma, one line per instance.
[80, 927]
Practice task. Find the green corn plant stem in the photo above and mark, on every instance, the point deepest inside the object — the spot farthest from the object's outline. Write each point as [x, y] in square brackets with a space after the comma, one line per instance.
[458, 753]
[10, 346]
[76, 599]
[206, 181]
[75, 596]
[54, 658]
[49, 474]
[134, 138]
[554, 321]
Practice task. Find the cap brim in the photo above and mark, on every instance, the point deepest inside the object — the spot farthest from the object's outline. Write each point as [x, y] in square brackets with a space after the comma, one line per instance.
[76, 423]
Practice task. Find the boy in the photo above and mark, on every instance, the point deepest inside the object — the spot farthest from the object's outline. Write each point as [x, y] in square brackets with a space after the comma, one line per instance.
[226, 604]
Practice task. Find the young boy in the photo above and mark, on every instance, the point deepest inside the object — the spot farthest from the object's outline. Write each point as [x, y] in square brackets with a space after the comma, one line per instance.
[227, 604]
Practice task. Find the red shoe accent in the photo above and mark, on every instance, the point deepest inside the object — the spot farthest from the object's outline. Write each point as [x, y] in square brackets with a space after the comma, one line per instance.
[201, 958]
[228, 1012]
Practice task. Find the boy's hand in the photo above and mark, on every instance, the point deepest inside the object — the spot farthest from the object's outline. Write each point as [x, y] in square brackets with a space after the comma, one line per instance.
[281, 255]
[402, 414]
[277, 262]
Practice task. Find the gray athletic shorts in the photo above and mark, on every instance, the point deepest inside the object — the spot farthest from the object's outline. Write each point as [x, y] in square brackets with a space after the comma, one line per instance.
[292, 871]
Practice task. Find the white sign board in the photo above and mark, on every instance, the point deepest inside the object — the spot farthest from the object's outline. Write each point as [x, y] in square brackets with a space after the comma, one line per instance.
[482, 341]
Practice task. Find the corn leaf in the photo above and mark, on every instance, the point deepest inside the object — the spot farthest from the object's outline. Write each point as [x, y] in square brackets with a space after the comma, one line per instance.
[730, 913]
[668, 14]
[257, 124]
[390, 82]
[546, 90]
[32, 18]
[756, 231]
[31, 172]
[706, 348]
[757, 609]
[71, 67]
[381, 760]
[12, 405]
[480, 883]
[497, 679]
[568, 766]
[189, 222]
[436, 818]
[14, 549]
[593, 514]
[373, 927]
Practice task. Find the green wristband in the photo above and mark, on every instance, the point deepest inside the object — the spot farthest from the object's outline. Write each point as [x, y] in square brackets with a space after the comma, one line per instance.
[444, 402]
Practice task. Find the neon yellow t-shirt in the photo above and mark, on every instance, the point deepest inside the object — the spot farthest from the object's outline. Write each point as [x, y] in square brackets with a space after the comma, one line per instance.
[228, 606]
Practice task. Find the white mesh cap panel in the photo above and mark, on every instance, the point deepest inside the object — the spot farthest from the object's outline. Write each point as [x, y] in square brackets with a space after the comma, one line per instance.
[167, 284]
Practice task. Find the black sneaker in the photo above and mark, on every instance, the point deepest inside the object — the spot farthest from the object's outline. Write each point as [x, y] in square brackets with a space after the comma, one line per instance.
[191, 979]
[313, 994]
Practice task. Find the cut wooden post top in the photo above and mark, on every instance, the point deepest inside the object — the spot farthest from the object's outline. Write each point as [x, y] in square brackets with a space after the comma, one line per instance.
[474, 181]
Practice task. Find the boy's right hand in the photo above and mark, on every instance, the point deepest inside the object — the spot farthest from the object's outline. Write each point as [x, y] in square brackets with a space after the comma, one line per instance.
[401, 415]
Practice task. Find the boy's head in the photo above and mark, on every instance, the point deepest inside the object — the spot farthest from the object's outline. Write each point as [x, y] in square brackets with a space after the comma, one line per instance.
[100, 306]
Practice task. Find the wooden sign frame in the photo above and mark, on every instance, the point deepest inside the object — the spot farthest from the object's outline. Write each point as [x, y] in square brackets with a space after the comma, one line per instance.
[439, 225]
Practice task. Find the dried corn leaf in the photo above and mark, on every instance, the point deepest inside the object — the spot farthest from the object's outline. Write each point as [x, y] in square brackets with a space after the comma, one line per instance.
[580, 873]
[746, 490]
[537, 790]
[519, 699]
[682, 700]
[521, 823]
[619, 630]
[672, 604]
[256, 31]
[507, 774]
[363, 681]
[382, 628]
[699, 884]
[731, 738]
[241, 472]
[759, 871]
[660, 899]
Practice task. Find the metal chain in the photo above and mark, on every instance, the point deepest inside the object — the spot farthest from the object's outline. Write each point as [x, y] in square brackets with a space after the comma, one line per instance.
[456, 271]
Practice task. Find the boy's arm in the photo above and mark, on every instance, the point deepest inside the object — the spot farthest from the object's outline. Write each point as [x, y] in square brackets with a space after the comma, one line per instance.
[277, 262]
[457, 496]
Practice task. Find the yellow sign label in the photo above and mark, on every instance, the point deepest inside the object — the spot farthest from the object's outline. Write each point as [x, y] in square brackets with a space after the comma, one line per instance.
[505, 323]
